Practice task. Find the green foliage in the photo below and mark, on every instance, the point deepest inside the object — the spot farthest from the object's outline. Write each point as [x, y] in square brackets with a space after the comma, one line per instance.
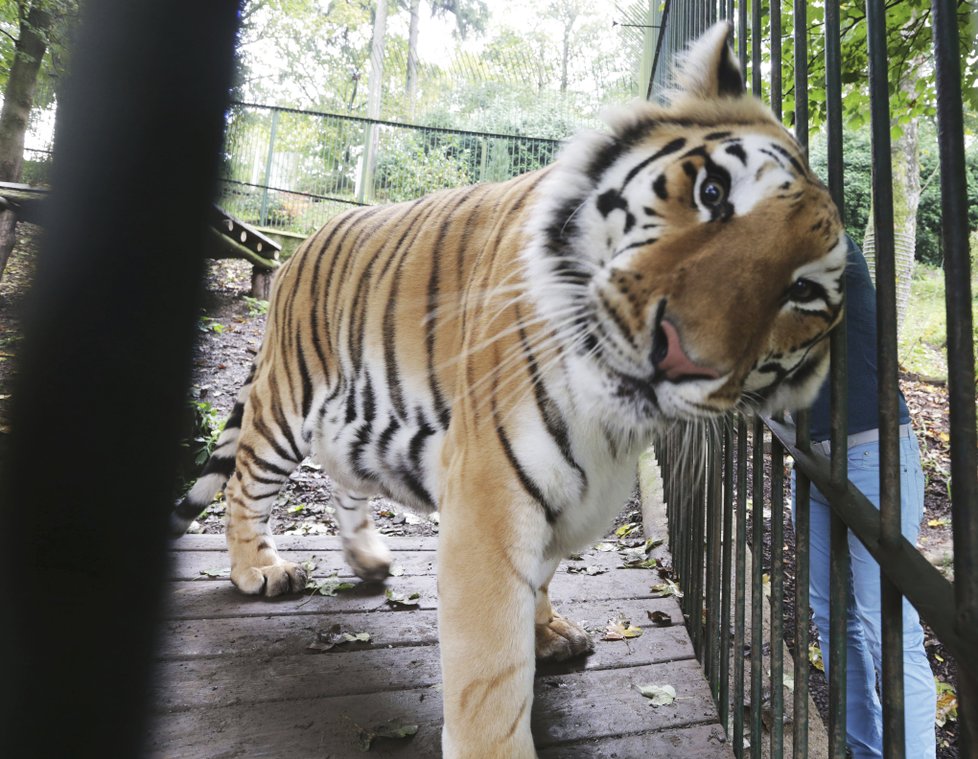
[256, 306]
[54, 66]
[910, 73]
[858, 188]
[413, 164]
[929, 214]
[208, 426]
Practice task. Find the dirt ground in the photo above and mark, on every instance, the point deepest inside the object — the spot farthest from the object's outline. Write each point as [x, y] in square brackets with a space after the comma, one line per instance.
[231, 326]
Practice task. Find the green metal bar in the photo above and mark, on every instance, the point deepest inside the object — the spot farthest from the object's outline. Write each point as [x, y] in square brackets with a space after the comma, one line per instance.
[777, 599]
[800, 22]
[799, 737]
[757, 589]
[755, 47]
[715, 635]
[960, 355]
[839, 547]
[891, 604]
[726, 580]
[927, 589]
[740, 600]
[776, 88]
[696, 564]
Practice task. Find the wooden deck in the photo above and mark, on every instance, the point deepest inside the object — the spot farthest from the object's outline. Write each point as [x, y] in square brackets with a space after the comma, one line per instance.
[236, 677]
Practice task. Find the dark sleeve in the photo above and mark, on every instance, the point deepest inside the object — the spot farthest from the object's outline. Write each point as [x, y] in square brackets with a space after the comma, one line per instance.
[862, 376]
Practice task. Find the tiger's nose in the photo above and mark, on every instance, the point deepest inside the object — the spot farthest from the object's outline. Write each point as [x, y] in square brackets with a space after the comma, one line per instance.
[670, 360]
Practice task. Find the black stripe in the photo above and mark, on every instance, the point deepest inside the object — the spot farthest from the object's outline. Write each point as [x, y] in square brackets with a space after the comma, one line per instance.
[262, 463]
[671, 147]
[223, 465]
[737, 150]
[552, 419]
[528, 484]
[391, 365]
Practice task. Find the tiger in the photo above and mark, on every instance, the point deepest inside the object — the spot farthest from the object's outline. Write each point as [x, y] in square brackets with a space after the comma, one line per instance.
[504, 352]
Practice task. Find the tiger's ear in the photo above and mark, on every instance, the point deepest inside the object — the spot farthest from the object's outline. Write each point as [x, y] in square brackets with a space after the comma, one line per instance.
[708, 68]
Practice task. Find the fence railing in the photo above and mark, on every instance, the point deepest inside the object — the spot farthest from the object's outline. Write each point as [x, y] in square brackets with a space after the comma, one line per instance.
[727, 513]
[294, 169]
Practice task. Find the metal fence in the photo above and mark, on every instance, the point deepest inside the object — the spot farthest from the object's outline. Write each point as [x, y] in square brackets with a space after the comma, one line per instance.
[293, 170]
[727, 532]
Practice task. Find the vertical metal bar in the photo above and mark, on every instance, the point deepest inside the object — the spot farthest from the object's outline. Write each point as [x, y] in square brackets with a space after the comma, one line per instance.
[802, 505]
[757, 589]
[839, 546]
[726, 579]
[755, 47]
[777, 597]
[776, 88]
[715, 636]
[269, 157]
[740, 600]
[742, 35]
[891, 608]
[800, 22]
[696, 564]
[960, 355]
[799, 736]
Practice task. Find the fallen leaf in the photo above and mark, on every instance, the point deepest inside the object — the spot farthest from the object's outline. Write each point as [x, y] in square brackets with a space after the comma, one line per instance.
[605, 547]
[938, 522]
[659, 695]
[396, 729]
[328, 586]
[590, 570]
[815, 657]
[216, 572]
[402, 599]
[620, 629]
[396, 571]
[947, 704]
[636, 558]
[626, 529]
[660, 618]
[667, 588]
[327, 640]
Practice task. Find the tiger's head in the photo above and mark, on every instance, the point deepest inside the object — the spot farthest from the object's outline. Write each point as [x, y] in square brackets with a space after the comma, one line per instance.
[690, 256]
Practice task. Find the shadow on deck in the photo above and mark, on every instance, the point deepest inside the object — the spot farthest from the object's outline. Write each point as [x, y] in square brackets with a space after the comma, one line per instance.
[236, 677]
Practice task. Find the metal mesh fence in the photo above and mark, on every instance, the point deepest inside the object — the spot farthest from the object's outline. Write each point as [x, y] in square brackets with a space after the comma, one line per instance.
[293, 170]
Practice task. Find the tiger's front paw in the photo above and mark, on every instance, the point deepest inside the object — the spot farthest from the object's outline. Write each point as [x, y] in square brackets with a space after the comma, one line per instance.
[561, 639]
[272, 580]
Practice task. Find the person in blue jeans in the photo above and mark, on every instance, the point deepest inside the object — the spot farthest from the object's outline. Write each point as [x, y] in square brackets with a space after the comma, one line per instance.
[864, 715]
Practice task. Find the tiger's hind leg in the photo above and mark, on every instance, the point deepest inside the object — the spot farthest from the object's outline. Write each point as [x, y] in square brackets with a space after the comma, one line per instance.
[365, 552]
[557, 638]
[267, 454]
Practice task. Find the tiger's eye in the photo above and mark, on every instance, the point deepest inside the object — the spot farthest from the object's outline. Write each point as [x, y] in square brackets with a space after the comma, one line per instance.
[803, 291]
[712, 192]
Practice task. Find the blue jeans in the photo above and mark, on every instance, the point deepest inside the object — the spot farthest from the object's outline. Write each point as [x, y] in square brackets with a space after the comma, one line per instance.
[864, 715]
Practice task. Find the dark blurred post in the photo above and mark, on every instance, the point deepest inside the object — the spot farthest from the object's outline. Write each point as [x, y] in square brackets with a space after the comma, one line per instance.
[87, 485]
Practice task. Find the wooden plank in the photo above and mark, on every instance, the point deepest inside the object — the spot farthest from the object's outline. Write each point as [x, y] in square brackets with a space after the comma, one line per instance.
[192, 684]
[694, 742]
[212, 542]
[386, 662]
[277, 635]
[201, 599]
[191, 564]
[578, 707]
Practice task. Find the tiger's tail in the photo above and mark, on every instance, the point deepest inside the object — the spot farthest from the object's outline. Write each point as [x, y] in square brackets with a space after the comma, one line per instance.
[218, 469]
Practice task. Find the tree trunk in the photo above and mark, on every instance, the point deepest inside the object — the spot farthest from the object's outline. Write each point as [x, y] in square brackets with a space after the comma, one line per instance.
[18, 98]
[905, 165]
[412, 57]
